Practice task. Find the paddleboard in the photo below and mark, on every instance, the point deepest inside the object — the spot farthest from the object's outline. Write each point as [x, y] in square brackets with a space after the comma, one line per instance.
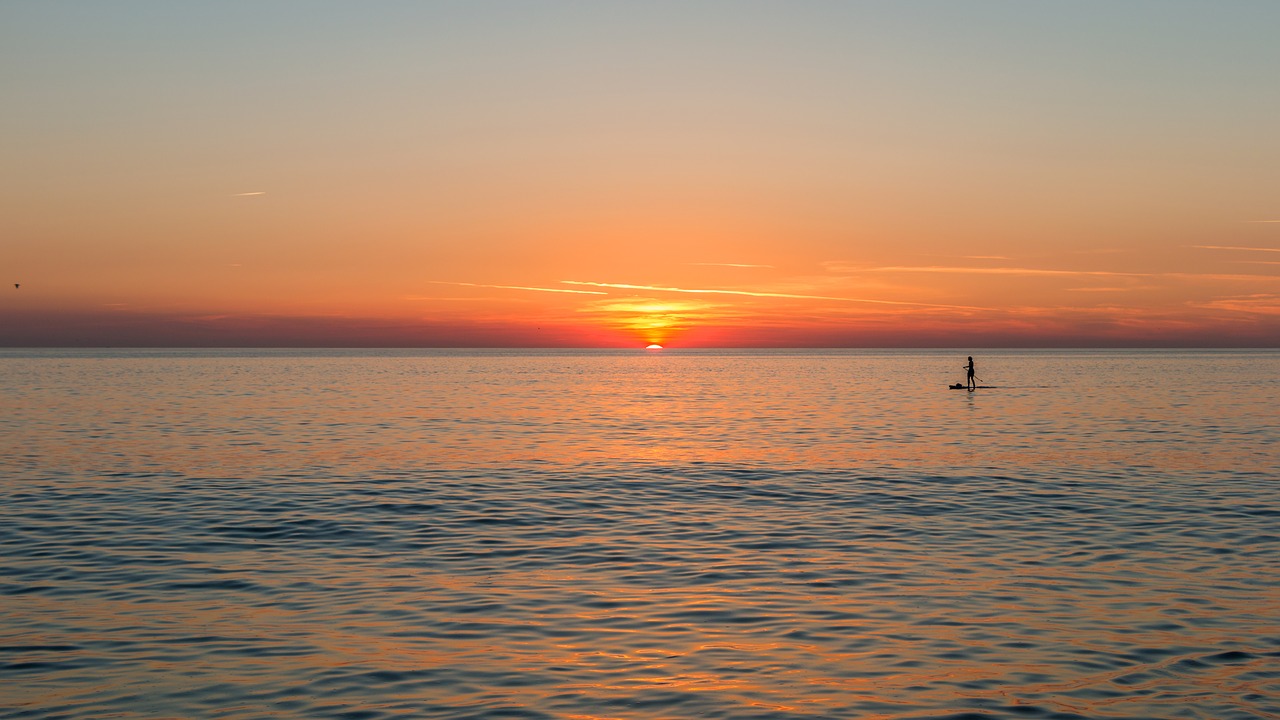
[959, 386]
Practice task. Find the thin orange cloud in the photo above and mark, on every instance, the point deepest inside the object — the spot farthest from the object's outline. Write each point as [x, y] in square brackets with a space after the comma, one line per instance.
[1107, 289]
[656, 320]
[733, 265]
[1257, 304]
[1219, 276]
[999, 271]
[518, 287]
[478, 298]
[1235, 247]
[751, 293]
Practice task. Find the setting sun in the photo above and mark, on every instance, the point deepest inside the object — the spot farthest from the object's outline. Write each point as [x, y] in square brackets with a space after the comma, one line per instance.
[655, 346]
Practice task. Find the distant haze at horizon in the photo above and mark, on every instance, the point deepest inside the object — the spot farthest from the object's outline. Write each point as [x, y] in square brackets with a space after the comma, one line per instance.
[705, 174]
[122, 330]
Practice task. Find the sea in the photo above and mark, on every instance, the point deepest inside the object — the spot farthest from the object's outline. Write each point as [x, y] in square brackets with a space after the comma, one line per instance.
[639, 535]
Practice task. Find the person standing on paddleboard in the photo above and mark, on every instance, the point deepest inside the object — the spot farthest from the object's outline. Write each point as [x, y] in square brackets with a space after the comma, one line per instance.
[969, 368]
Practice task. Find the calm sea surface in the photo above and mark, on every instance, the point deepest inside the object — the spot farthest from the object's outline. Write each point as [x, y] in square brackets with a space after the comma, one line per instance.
[622, 535]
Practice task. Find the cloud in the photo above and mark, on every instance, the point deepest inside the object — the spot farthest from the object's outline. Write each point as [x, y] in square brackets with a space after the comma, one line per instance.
[657, 319]
[837, 266]
[518, 287]
[944, 255]
[750, 293]
[1233, 247]
[249, 194]
[120, 327]
[1002, 271]
[1041, 272]
[647, 305]
[1219, 276]
[1263, 221]
[733, 265]
[431, 298]
[1255, 324]
[1257, 304]
[1107, 289]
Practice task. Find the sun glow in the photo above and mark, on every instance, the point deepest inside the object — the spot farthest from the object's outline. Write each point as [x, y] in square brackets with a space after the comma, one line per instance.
[654, 346]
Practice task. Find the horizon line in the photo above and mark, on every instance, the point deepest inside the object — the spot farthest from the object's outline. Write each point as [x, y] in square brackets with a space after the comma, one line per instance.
[1154, 346]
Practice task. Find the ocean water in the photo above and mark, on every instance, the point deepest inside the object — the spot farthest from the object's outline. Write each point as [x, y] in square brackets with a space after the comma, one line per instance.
[630, 535]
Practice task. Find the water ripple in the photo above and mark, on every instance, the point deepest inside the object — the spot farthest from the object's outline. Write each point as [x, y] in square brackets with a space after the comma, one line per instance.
[424, 582]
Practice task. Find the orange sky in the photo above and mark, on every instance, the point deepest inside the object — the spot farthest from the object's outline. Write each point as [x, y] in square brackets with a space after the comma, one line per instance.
[615, 174]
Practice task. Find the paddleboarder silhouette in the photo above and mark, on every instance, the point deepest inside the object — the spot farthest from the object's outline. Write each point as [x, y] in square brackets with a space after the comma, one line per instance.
[970, 383]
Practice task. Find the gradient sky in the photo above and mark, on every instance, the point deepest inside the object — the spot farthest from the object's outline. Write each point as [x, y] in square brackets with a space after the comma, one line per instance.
[598, 173]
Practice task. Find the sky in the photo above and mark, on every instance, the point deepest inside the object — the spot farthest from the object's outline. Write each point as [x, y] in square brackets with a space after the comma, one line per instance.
[699, 173]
